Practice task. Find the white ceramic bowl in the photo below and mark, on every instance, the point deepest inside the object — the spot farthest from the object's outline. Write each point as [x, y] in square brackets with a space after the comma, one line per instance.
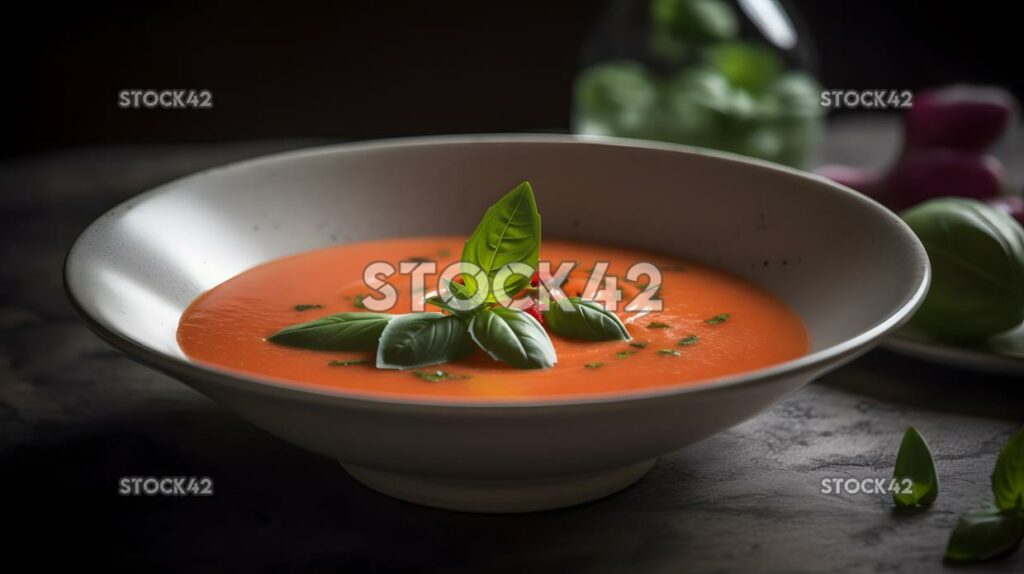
[851, 269]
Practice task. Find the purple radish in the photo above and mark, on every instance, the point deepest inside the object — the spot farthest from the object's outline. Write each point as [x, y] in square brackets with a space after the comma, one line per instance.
[966, 118]
[863, 180]
[924, 174]
[1012, 205]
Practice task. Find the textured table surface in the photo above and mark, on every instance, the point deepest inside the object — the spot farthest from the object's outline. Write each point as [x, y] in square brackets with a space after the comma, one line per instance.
[76, 415]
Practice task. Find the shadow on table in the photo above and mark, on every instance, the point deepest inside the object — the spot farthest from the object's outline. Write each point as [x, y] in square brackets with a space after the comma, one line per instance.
[895, 378]
[278, 508]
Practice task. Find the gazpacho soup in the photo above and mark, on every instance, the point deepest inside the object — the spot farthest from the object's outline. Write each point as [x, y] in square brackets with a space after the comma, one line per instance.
[497, 316]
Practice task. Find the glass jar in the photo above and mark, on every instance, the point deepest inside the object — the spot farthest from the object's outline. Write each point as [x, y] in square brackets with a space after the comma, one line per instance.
[728, 75]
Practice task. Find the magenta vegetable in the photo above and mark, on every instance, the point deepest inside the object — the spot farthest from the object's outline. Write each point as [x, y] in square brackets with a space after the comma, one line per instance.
[863, 180]
[945, 136]
[966, 118]
[1011, 205]
[926, 174]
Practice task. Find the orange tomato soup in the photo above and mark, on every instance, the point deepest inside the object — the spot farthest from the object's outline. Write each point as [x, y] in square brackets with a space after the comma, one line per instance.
[227, 327]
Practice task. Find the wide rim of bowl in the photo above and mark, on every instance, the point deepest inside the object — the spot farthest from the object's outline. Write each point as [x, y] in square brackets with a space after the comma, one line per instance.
[823, 358]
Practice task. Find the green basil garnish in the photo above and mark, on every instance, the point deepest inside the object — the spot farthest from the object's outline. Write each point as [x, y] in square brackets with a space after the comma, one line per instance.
[720, 318]
[658, 325]
[307, 307]
[421, 339]
[669, 352]
[349, 363]
[594, 365]
[914, 461]
[340, 332]
[584, 320]
[639, 344]
[508, 233]
[440, 303]
[513, 336]
[1008, 477]
[687, 341]
[984, 534]
[434, 376]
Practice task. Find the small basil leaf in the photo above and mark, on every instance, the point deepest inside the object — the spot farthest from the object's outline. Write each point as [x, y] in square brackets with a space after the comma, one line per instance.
[440, 303]
[513, 336]
[421, 339]
[585, 320]
[340, 332]
[508, 233]
[1008, 478]
[914, 462]
[983, 534]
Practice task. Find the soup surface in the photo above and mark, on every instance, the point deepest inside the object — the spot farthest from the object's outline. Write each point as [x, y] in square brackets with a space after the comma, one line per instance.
[227, 326]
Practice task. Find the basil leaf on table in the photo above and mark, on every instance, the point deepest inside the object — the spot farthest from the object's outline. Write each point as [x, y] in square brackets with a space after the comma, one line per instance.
[584, 320]
[1008, 478]
[914, 461]
[513, 336]
[340, 332]
[421, 339]
[983, 534]
[508, 233]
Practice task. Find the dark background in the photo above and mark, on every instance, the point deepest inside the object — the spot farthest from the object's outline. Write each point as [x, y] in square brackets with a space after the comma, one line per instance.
[351, 70]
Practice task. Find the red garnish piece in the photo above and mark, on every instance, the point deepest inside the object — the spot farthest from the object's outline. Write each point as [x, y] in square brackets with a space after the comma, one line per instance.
[532, 310]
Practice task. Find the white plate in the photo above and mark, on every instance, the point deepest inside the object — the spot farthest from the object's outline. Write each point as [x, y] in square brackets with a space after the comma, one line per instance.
[1001, 355]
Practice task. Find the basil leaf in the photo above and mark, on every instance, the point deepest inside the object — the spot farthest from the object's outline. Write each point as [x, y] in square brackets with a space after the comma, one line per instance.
[340, 332]
[977, 258]
[983, 534]
[914, 462]
[440, 303]
[513, 336]
[1008, 478]
[421, 339]
[508, 233]
[585, 320]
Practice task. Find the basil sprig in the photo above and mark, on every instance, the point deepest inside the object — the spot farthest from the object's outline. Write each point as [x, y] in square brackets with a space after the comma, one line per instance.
[577, 318]
[914, 462]
[340, 332]
[1008, 477]
[513, 336]
[994, 530]
[508, 234]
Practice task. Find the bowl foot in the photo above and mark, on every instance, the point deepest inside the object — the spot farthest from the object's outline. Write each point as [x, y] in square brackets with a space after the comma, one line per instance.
[482, 495]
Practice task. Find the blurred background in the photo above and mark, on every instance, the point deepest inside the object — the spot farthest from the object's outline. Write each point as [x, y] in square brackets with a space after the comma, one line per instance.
[352, 70]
